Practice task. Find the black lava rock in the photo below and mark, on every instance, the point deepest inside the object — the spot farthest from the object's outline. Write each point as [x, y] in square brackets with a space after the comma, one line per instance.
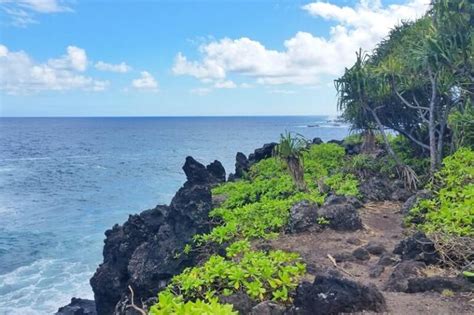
[405, 270]
[376, 271]
[78, 307]
[303, 215]
[317, 141]
[341, 213]
[242, 165]
[142, 253]
[262, 153]
[334, 295]
[375, 248]
[361, 253]
[417, 247]
[438, 284]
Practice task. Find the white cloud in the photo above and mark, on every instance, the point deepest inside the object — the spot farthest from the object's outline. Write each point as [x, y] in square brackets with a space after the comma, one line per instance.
[23, 12]
[208, 69]
[225, 85]
[306, 58]
[201, 91]
[42, 6]
[120, 68]
[145, 82]
[75, 59]
[20, 74]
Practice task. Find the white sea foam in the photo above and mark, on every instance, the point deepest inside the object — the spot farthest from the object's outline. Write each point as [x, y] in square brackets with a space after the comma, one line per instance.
[42, 287]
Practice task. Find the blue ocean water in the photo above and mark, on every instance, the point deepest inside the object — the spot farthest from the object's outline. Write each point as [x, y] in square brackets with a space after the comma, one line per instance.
[64, 181]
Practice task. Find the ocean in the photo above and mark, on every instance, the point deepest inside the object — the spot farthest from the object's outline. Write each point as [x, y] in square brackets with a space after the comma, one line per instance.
[64, 181]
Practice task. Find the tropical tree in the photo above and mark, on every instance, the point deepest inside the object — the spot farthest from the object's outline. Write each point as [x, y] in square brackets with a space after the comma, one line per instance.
[290, 150]
[415, 79]
[361, 96]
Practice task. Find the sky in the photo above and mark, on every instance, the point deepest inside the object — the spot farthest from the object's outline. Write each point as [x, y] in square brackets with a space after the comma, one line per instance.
[184, 58]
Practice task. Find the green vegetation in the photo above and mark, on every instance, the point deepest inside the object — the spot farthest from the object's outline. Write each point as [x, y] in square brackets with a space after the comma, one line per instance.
[261, 275]
[290, 149]
[256, 207]
[414, 80]
[169, 303]
[451, 211]
[417, 82]
[273, 275]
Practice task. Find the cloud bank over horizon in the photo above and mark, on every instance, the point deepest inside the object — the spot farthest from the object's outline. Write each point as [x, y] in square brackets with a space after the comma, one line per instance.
[306, 58]
[67, 52]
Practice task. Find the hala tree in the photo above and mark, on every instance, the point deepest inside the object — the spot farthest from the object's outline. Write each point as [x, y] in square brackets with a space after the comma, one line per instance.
[290, 150]
[415, 78]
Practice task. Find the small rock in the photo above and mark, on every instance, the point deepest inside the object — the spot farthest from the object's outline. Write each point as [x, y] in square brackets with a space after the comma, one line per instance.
[417, 247]
[398, 281]
[376, 271]
[361, 254]
[345, 256]
[354, 241]
[268, 308]
[317, 141]
[387, 260]
[334, 295]
[241, 302]
[302, 216]
[438, 284]
[375, 248]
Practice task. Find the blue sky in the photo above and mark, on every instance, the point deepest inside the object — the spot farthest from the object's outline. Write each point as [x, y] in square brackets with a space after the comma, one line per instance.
[154, 58]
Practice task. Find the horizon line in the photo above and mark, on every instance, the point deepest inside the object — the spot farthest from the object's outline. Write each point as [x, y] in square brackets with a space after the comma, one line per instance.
[174, 116]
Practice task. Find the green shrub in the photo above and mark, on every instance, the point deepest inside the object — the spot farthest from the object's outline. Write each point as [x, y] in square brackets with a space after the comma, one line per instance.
[452, 209]
[323, 159]
[355, 138]
[273, 275]
[410, 154]
[168, 304]
[343, 184]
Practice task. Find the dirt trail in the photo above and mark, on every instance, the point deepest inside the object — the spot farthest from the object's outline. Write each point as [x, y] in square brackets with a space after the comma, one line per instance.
[382, 224]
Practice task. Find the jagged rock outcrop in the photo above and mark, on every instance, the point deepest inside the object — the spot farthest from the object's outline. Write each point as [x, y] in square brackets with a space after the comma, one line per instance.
[78, 307]
[341, 212]
[142, 253]
[243, 164]
[262, 153]
[330, 294]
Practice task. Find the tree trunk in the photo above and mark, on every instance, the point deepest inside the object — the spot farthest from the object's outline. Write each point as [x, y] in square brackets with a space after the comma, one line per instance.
[432, 125]
[385, 138]
[297, 172]
[368, 145]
